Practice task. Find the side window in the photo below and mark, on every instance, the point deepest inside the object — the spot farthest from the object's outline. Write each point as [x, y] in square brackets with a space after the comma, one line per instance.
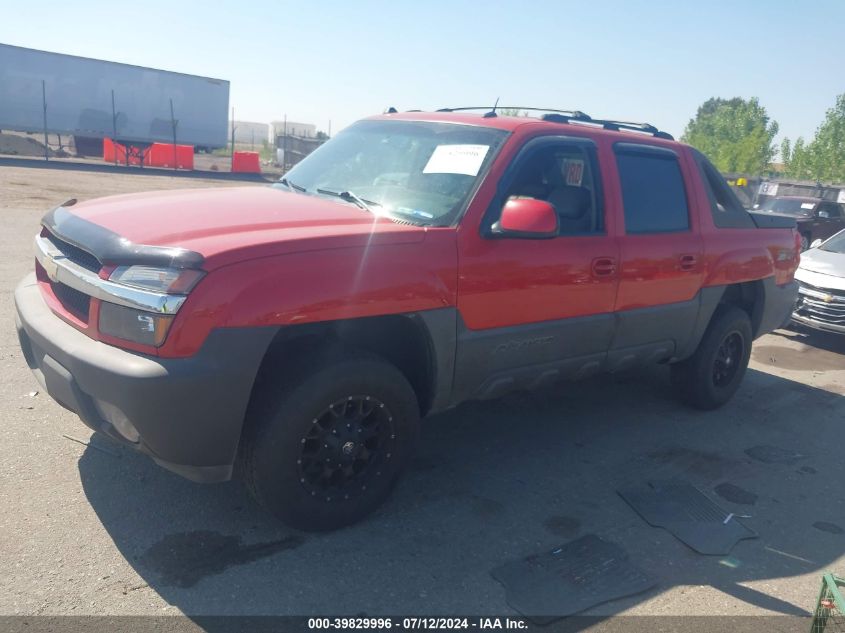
[653, 193]
[727, 210]
[831, 209]
[563, 175]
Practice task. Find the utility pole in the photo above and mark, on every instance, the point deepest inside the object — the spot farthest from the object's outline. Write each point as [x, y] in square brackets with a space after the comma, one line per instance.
[44, 103]
[114, 127]
[232, 159]
[173, 125]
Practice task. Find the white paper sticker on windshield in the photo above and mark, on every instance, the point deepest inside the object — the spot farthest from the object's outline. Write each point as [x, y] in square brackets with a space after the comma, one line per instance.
[768, 189]
[456, 159]
[841, 197]
[808, 205]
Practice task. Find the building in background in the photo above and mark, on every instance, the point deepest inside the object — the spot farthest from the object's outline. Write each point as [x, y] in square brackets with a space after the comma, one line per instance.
[292, 128]
[251, 133]
[294, 141]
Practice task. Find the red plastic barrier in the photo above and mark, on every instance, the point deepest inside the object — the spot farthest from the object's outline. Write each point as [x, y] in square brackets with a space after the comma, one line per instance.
[157, 155]
[163, 155]
[246, 162]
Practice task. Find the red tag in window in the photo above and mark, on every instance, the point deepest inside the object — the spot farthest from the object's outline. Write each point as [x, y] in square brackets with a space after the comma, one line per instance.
[574, 172]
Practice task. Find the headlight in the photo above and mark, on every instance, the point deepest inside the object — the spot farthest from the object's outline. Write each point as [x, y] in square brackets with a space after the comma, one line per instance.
[170, 280]
[147, 328]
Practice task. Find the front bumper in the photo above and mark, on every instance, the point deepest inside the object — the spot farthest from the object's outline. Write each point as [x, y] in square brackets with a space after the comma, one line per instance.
[820, 308]
[817, 325]
[189, 412]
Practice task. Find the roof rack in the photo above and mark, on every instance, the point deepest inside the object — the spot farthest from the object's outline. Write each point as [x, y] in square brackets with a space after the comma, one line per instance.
[566, 116]
[573, 114]
[609, 124]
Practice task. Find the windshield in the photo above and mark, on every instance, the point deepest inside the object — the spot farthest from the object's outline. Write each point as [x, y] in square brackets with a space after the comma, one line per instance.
[835, 244]
[789, 206]
[415, 171]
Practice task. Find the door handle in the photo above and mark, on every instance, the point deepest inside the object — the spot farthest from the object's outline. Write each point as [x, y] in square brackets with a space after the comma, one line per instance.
[688, 262]
[603, 267]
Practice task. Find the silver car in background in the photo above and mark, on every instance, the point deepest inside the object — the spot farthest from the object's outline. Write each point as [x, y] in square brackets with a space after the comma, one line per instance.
[821, 280]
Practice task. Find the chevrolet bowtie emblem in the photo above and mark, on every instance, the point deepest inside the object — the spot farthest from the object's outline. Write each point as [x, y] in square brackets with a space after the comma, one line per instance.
[827, 298]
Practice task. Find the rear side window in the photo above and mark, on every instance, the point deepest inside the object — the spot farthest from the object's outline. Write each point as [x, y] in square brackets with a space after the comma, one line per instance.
[727, 210]
[653, 191]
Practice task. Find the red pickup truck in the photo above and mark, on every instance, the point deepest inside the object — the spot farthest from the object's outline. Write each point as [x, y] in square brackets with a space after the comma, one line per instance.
[296, 333]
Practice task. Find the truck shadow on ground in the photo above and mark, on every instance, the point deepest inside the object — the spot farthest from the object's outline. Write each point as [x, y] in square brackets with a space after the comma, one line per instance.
[500, 480]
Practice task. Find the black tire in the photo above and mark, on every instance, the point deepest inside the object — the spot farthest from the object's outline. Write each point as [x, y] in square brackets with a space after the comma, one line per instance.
[805, 242]
[283, 447]
[711, 376]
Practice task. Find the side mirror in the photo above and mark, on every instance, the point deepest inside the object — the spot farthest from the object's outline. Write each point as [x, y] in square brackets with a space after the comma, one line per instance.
[527, 218]
[816, 243]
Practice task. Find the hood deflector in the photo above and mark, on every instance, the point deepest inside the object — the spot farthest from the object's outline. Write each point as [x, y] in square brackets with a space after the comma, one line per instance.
[112, 249]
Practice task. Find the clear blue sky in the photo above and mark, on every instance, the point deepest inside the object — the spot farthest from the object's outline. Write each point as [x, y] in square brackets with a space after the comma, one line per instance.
[319, 61]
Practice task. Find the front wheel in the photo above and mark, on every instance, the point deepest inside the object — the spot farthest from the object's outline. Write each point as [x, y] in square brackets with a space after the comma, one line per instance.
[325, 452]
[709, 378]
[805, 242]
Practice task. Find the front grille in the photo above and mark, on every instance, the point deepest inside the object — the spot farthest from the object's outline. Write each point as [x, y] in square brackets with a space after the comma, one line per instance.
[822, 304]
[75, 302]
[75, 254]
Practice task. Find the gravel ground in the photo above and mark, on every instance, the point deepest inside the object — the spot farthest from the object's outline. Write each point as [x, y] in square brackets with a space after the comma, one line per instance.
[97, 529]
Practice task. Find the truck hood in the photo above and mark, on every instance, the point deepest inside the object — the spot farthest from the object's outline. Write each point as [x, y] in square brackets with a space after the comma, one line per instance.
[822, 269]
[797, 218]
[236, 222]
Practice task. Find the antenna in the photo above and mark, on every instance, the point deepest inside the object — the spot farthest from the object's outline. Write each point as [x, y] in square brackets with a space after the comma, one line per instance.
[492, 114]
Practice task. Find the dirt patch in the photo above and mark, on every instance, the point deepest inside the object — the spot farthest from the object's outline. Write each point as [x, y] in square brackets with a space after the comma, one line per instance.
[735, 494]
[486, 508]
[16, 145]
[681, 459]
[773, 455]
[568, 527]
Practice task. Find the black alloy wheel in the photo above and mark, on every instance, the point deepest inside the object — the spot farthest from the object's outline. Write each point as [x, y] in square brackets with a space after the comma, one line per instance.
[346, 447]
[728, 359]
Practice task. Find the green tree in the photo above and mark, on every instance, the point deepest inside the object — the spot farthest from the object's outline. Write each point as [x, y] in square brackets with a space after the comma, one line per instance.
[736, 134]
[823, 158]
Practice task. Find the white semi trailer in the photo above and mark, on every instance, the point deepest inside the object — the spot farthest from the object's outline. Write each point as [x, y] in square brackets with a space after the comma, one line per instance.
[95, 99]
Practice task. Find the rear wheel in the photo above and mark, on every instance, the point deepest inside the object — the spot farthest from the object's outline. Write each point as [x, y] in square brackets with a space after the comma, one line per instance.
[805, 242]
[325, 452]
[709, 378]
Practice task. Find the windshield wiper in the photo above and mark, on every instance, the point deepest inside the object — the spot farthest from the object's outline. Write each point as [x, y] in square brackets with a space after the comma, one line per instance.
[287, 183]
[348, 196]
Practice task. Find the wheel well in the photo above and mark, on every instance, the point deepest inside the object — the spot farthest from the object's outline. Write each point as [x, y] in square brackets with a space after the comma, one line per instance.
[399, 339]
[748, 296]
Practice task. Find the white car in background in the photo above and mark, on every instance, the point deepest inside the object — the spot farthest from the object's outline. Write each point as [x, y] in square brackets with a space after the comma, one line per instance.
[821, 280]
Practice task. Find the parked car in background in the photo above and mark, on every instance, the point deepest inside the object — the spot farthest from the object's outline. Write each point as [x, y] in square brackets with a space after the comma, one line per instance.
[821, 286]
[817, 219]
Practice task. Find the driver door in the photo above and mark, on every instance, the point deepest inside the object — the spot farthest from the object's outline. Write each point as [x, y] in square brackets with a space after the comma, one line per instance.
[536, 310]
